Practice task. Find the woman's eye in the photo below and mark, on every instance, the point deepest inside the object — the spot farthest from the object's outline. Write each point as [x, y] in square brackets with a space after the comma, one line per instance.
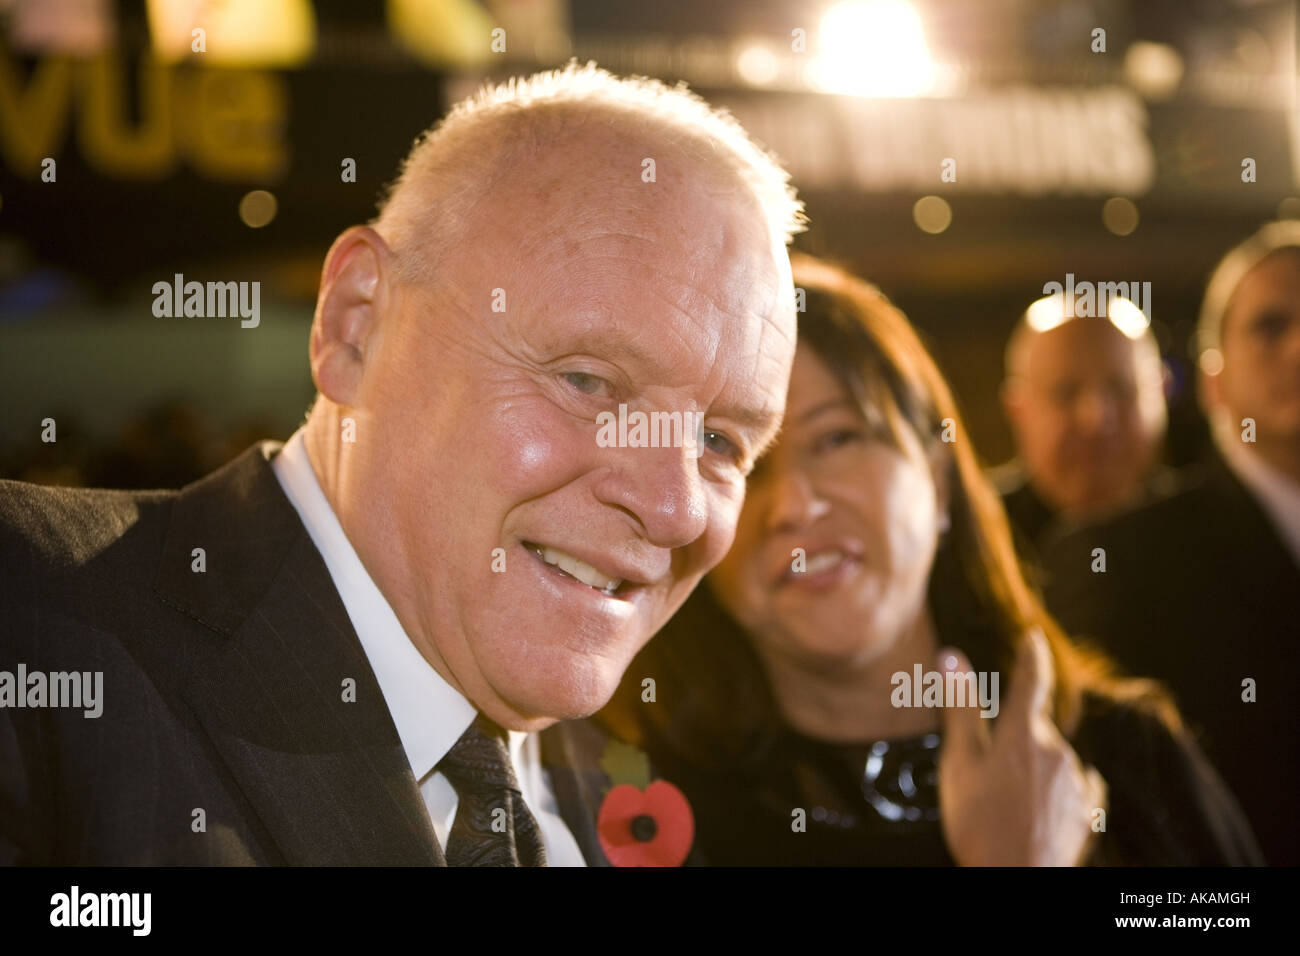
[585, 383]
[838, 437]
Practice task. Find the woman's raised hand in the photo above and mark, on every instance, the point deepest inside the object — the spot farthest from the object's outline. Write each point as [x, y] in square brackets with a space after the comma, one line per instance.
[1015, 794]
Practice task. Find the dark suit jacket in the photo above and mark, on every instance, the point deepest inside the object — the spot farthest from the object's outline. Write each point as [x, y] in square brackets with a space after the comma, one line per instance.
[222, 690]
[1031, 517]
[1036, 524]
[1200, 592]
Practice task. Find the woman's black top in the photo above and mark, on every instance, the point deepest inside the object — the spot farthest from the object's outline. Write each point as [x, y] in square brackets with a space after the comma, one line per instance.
[875, 803]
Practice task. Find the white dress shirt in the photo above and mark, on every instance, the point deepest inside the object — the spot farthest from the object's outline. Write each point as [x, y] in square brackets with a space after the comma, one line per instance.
[429, 713]
[1277, 493]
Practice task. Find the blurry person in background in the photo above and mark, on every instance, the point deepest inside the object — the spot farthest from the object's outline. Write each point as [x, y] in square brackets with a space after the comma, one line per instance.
[872, 546]
[1201, 589]
[1084, 397]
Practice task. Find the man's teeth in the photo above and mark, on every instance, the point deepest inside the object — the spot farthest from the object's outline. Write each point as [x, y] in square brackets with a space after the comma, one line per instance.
[823, 561]
[580, 569]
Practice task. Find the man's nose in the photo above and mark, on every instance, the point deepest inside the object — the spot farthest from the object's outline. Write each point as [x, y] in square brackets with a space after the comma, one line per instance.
[662, 489]
[1094, 411]
[1290, 345]
[793, 502]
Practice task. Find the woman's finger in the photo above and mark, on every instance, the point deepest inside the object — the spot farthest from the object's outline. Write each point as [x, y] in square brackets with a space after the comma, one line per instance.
[1031, 685]
[964, 729]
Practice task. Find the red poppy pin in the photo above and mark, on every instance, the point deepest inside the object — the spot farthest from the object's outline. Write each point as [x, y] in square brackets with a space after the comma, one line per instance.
[642, 822]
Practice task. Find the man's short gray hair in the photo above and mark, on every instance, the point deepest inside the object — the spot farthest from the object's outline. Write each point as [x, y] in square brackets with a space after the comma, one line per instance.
[489, 136]
[1232, 268]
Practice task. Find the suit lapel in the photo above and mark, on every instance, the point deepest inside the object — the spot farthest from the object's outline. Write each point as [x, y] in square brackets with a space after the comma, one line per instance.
[1246, 518]
[571, 753]
[327, 776]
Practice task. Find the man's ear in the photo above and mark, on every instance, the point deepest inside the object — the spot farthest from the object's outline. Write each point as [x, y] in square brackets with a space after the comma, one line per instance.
[356, 285]
[1010, 395]
[1210, 390]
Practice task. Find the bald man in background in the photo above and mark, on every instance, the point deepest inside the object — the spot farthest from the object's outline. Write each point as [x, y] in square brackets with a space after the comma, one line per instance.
[1085, 401]
[1201, 587]
[354, 647]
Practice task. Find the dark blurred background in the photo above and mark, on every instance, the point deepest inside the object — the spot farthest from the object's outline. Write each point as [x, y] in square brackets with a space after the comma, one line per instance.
[1115, 156]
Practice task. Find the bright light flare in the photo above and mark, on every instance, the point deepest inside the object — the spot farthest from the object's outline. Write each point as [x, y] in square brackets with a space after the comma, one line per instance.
[1050, 311]
[873, 48]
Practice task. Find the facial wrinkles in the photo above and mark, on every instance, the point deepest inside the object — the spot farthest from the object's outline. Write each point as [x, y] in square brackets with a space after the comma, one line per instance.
[695, 499]
[704, 282]
[693, 350]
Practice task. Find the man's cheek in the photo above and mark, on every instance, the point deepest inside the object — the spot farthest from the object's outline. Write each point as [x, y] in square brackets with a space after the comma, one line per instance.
[718, 539]
[536, 445]
[1060, 442]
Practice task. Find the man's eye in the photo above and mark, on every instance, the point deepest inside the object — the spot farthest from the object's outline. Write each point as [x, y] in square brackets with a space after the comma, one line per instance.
[1121, 391]
[585, 383]
[1271, 325]
[722, 445]
[1064, 394]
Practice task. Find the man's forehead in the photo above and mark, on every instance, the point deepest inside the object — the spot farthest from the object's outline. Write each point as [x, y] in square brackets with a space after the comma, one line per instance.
[685, 239]
[706, 285]
[661, 344]
[667, 275]
[1274, 281]
[1079, 345]
[600, 190]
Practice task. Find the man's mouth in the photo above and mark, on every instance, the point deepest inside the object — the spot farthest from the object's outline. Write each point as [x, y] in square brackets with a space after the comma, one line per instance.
[574, 568]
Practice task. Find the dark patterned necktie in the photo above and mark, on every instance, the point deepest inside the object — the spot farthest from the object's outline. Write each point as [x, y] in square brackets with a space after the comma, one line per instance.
[492, 825]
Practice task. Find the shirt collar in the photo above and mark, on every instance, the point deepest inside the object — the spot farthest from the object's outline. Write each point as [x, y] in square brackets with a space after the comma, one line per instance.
[430, 714]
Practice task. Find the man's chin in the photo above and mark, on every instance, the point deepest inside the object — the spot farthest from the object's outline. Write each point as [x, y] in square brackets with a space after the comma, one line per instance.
[571, 698]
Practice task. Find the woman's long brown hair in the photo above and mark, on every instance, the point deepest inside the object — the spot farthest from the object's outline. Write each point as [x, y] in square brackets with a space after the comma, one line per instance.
[712, 703]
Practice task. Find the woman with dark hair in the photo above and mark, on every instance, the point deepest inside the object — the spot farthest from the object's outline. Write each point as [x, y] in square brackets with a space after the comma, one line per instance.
[872, 558]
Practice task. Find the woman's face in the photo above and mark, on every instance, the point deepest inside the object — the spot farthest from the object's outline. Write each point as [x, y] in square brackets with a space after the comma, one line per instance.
[865, 515]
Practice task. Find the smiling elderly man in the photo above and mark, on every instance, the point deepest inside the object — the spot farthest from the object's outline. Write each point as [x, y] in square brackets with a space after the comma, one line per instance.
[340, 650]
